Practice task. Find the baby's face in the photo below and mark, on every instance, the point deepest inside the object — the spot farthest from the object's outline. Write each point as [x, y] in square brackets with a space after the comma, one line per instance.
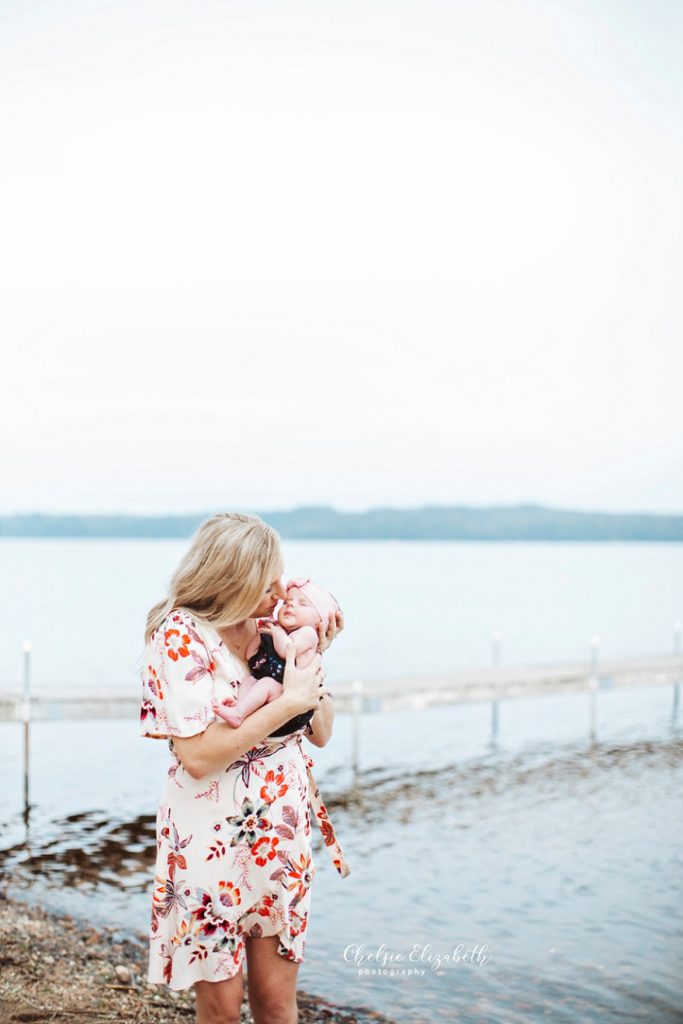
[297, 611]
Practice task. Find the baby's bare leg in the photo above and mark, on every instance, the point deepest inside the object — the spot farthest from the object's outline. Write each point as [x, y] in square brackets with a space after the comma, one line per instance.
[221, 707]
[262, 691]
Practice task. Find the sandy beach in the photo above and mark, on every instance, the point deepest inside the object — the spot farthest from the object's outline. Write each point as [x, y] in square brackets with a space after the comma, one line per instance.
[58, 969]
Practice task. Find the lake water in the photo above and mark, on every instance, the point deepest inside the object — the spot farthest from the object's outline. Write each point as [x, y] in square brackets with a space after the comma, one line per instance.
[409, 606]
[563, 858]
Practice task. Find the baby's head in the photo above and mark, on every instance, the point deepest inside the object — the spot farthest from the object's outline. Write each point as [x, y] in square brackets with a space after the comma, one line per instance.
[306, 604]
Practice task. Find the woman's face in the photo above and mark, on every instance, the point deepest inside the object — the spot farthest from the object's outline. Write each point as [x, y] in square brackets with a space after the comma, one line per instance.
[274, 592]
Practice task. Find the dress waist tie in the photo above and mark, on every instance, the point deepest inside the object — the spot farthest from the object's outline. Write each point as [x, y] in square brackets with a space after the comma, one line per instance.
[321, 816]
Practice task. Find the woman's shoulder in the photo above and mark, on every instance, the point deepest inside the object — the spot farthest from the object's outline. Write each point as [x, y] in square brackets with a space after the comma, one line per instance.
[181, 623]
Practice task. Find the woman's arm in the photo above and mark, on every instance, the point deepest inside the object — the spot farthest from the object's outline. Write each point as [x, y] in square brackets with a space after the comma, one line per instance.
[322, 722]
[220, 744]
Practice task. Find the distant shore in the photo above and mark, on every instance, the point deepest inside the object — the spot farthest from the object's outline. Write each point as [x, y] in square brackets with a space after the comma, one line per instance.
[56, 969]
[429, 523]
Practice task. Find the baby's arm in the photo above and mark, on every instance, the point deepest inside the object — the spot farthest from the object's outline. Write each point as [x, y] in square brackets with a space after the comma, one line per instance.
[305, 640]
[280, 636]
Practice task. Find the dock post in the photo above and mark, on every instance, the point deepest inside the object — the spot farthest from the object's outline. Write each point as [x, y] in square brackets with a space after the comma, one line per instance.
[26, 718]
[677, 685]
[356, 708]
[495, 654]
[593, 685]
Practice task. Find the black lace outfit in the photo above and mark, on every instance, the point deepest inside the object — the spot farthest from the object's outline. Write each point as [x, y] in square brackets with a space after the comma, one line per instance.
[267, 662]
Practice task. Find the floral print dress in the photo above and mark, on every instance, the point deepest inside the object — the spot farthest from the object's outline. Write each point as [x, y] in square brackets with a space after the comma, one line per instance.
[234, 855]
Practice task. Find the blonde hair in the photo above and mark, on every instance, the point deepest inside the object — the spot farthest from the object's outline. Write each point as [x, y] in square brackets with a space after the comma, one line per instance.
[231, 560]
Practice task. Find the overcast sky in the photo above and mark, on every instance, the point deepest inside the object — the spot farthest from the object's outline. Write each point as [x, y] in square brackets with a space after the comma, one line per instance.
[263, 254]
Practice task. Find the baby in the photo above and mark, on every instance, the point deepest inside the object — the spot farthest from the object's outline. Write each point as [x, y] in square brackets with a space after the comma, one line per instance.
[305, 605]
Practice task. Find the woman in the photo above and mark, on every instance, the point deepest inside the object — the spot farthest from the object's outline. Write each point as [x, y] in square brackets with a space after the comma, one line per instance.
[234, 866]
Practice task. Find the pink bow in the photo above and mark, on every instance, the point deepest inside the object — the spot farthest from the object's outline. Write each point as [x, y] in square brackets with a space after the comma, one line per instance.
[298, 581]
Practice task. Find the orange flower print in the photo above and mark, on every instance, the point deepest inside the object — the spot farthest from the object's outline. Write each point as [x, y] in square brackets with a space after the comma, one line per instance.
[185, 934]
[327, 832]
[298, 922]
[301, 874]
[177, 644]
[154, 683]
[325, 826]
[267, 903]
[273, 787]
[228, 894]
[264, 849]
[237, 954]
[175, 858]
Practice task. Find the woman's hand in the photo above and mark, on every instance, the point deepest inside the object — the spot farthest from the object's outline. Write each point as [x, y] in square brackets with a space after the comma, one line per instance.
[302, 686]
[335, 626]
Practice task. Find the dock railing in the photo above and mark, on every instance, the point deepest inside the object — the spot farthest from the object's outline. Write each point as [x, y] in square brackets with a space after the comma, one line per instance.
[414, 692]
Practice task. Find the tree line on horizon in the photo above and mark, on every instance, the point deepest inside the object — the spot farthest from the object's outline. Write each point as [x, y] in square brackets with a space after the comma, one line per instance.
[519, 522]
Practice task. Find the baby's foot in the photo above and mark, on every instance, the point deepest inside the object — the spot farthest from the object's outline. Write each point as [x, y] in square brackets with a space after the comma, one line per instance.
[233, 718]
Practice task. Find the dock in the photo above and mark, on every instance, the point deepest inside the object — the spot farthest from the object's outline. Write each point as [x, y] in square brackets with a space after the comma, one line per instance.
[391, 693]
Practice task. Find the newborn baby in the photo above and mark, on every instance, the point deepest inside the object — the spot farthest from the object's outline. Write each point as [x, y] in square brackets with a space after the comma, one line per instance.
[305, 605]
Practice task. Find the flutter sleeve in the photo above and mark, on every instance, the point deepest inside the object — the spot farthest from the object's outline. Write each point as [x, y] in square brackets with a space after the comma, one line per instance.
[177, 680]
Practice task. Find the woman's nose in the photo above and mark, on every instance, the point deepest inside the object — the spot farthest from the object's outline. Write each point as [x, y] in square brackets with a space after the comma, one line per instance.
[280, 590]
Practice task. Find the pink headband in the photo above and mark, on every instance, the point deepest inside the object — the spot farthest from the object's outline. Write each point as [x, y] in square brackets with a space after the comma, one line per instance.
[324, 603]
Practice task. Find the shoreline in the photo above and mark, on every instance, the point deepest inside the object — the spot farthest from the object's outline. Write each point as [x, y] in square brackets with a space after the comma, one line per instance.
[57, 968]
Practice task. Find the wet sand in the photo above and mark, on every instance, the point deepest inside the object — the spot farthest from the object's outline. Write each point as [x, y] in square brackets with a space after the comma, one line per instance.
[57, 969]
